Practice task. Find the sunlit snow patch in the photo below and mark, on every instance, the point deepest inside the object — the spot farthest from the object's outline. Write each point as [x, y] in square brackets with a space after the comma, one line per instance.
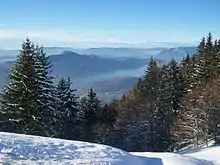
[24, 149]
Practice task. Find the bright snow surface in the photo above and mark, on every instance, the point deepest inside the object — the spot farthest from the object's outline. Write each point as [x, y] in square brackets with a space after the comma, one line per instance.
[25, 149]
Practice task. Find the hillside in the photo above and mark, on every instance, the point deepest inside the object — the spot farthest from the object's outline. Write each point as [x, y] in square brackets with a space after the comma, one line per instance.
[26, 149]
[79, 66]
[76, 66]
[123, 52]
[176, 53]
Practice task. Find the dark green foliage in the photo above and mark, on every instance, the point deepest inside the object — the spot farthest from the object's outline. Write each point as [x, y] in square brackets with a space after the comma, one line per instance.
[152, 80]
[155, 117]
[90, 110]
[46, 93]
[22, 104]
[199, 110]
[108, 114]
[66, 110]
[172, 89]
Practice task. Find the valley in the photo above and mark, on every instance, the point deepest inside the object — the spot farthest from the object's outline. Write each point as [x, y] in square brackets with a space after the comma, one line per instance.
[110, 71]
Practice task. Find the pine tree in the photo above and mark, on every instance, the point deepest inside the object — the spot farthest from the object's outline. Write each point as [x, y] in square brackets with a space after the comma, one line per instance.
[152, 77]
[199, 72]
[213, 102]
[105, 128]
[93, 108]
[46, 91]
[192, 112]
[108, 114]
[199, 117]
[156, 119]
[90, 107]
[187, 69]
[172, 89]
[67, 110]
[20, 97]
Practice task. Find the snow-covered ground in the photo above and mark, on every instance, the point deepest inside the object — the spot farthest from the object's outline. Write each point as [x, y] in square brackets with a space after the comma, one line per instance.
[210, 153]
[24, 149]
[170, 159]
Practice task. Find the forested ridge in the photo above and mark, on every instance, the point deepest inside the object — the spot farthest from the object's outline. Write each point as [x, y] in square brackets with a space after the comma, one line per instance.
[172, 106]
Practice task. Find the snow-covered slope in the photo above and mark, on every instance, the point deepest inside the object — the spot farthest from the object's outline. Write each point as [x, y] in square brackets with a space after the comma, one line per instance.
[210, 154]
[170, 159]
[25, 149]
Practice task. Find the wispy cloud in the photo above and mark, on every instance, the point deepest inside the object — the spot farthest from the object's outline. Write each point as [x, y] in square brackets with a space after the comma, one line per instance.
[57, 36]
[12, 38]
[7, 34]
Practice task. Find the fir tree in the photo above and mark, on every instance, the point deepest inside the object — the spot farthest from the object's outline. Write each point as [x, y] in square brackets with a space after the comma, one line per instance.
[105, 128]
[156, 119]
[172, 89]
[66, 109]
[46, 91]
[93, 108]
[198, 119]
[90, 107]
[20, 104]
[152, 77]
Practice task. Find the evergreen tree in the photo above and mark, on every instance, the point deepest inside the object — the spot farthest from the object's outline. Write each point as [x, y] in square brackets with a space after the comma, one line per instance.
[46, 91]
[172, 89]
[93, 108]
[67, 109]
[156, 118]
[199, 72]
[104, 130]
[108, 114]
[152, 80]
[90, 107]
[193, 113]
[20, 103]
[186, 66]
[198, 119]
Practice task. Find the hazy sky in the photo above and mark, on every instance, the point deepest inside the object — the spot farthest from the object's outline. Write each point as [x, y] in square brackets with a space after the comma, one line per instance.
[73, 22]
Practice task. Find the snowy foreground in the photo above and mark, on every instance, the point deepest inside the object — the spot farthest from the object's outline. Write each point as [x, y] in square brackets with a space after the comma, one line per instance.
[24, 149]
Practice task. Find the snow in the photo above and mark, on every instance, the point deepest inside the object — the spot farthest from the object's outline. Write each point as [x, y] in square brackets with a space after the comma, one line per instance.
[170, 159]
[211, 154]
[191, 148]
[26, 149]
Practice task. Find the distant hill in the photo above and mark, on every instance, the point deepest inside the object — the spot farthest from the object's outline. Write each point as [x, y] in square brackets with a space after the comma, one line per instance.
[79, 66]
[142, 53]
[177, 53]
[76, 66]
[9, 55]
[122, 52]
[111, 72]
[101, 52]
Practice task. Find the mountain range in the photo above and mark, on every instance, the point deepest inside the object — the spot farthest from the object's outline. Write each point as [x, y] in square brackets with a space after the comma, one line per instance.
[110, 71]
[109, 52]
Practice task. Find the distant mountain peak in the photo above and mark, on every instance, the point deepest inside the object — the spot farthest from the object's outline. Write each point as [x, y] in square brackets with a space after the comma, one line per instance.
[69, 52]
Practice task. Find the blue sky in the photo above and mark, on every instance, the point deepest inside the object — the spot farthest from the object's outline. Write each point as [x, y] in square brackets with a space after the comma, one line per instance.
[107, 22]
